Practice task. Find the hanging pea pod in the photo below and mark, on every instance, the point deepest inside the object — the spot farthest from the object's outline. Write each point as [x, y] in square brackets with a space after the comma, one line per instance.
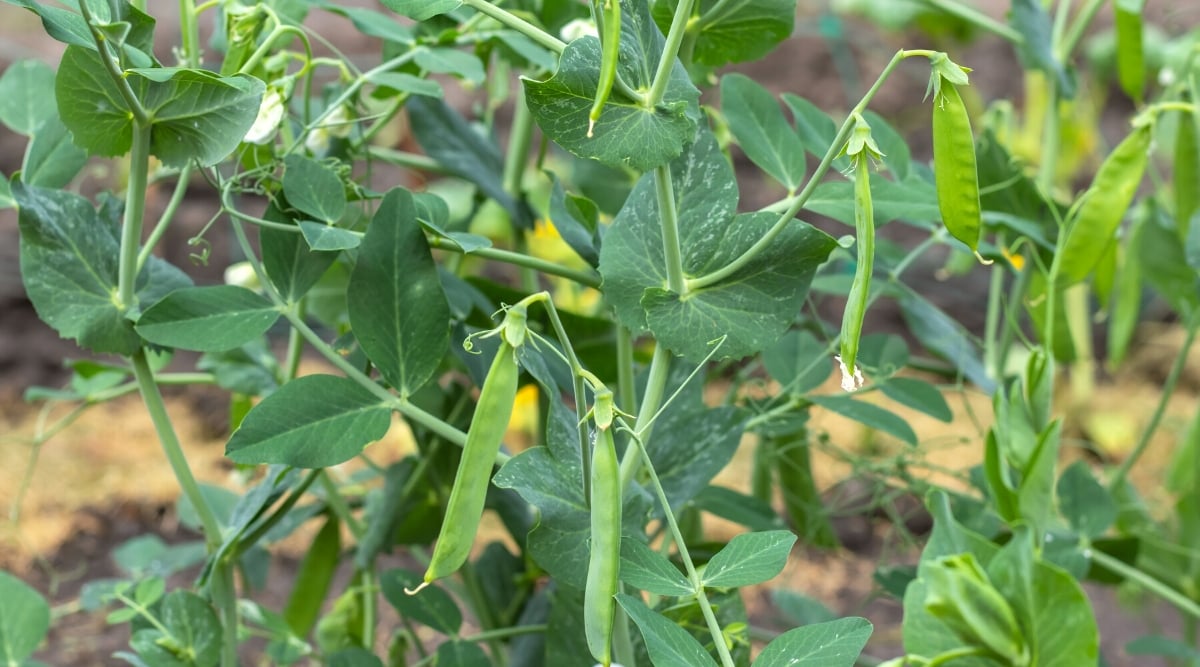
[484, 437]
[604, 564]
[1187, 172]
[861, 149]
[954, 168]
[1097, 218]
[609, 20]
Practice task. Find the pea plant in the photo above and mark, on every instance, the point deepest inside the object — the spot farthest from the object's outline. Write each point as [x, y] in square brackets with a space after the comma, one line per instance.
[442, 303]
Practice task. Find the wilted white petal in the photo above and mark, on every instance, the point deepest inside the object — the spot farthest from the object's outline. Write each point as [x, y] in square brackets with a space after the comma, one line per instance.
[578, 28]
[270, 113]
[850, 381]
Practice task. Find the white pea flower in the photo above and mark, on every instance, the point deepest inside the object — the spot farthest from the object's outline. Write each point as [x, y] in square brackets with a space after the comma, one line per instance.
[1166, 77]
[242, 274]
[850, 381]
[578, 28]
[336, 124]
[270, 114]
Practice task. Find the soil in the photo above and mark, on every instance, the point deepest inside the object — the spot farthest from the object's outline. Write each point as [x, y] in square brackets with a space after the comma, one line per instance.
[104, 480]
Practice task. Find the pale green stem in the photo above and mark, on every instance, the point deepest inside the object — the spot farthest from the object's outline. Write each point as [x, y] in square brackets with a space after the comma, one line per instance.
[710, 618]
[669, 220]
[626, 390]
[1168, 389]
[666, 62]
[587, 277]
[1079, 324]
[993, 323]
[224, 594]
[519, 24]
[977, 18]
[164, 221]
[370, 606]
[406, 159]
[189, 33]
[656, 385]
[809, 187]
[1131, 573]
[135, 212]
[519, 139]
[171, 447]
[1075, 34]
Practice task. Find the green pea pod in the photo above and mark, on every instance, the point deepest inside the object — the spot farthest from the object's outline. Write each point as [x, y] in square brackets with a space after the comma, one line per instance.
[860, 290]
[484, 437]
[954, 168]
[960, 595]
[605, 561]
[610, 48]
[1094, 225]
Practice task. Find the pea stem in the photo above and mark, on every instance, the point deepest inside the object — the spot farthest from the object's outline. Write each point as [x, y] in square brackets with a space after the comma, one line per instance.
[977, 18]
[666, 62]
[669, 219]
[1150, 583]
[168, 214]
[519, 24]
[135, 211]
[797, 203]
[710, 618]
[1067, 47]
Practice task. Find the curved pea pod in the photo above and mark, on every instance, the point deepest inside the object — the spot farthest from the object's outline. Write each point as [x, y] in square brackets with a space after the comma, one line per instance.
[484, 437]
[954, 168]
[860, 290]
[1094, 225]
[960, 595]
[1187, 172]
[610, 48]
[605, 560]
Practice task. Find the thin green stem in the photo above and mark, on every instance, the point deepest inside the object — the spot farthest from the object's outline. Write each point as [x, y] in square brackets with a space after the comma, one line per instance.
[710, 618]
[224, 593]
[189, 33]
[656, 385]
[370, 587]
[954, 654]
[406, 159]
[977, 18]
[1048, 166]
[135, 212]
[1067, 47]
[519, 139]
[992, 323]
[587, 277]
[519, 24]
[1168, 389]
[626, 391]
[168, 214]
[341, 509]
[669, 220]
[1131, 573]
[809, 187]
[666, 62]
[173, 450]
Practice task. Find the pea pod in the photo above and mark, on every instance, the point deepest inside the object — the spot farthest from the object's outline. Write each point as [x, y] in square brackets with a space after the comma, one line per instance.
[860, 290]
[484, 437]
[1187, 172]
[1097, 218]
[954, 167]
[610, 48]
[605, 561]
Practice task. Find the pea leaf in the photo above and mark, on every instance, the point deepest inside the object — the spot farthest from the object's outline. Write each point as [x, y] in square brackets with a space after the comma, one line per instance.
[648, 570]
[752, 308]
[798, 361]
[26, 95]
[914, 201]
[291, 265]
[749, 558]
[397, 306]
[814, 127]
[207, 319]
[372, 23]
[24, 620]
[918, 395]
[761, 130]
[432, 606]
[896, 155]
[462, 654]
[52, 159]
[195, 114]
[836, 643]
[354, 656]
[869, 415]
[313, 421]
[1087, 506]
[192, 623]
[942, 335]
[627, 133]
[322, 237]
[549, 478]
[577, 221]
[70, 28]
[407, 83]
[666, 642]
[69, 266]
[421, 10]
[448, 138]
[450, 61]
[313, 188]
[690, 447]
[734, 32]
[737, 507]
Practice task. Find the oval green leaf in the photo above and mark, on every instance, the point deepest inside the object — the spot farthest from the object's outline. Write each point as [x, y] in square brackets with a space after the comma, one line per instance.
[832, 644]
[749, 558]
[207, 319]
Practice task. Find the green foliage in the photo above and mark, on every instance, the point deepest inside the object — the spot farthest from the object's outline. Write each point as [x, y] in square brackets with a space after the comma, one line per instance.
[673, 326]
